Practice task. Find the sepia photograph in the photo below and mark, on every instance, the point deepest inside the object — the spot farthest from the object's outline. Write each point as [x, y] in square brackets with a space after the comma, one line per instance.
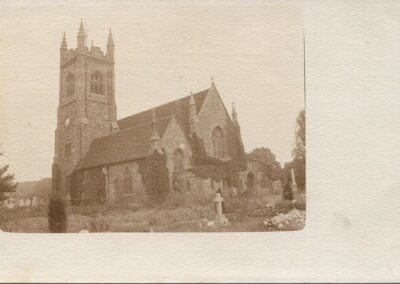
[164, 141]
[176, 125]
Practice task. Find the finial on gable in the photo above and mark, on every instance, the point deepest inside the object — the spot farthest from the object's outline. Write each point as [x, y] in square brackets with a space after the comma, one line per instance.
[154, 120]
[193, 117]
[155, 136]
[212, 80]
[192, 101]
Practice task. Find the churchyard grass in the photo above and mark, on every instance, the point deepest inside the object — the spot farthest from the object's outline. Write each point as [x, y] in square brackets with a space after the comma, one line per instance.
[192, 215]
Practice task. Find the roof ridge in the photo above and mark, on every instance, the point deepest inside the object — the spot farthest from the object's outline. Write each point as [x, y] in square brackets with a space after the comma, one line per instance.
[133, 127]
[188, 96]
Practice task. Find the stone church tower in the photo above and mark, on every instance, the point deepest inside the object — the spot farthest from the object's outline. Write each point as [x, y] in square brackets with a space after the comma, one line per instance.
[87, 108]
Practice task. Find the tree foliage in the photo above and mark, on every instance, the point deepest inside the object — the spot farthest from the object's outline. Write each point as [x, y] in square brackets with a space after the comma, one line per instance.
[7, 182]
[57, 217]
[272, 168]
[156, 177]
[299, 150]
[210, 167]
[287, 192]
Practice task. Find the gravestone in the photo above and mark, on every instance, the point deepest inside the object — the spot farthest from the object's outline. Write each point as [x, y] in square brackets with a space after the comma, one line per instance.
[220, 218]
[35, 201]
[294, 185]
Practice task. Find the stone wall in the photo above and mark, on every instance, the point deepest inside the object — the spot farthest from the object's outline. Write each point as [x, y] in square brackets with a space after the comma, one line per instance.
[172, 140]
[116, 180]
[212, 114]
[90, 115]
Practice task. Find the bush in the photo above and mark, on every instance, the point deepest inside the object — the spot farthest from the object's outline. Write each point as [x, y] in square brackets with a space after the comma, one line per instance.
[287, 192]
[156, 178]
[57, 216]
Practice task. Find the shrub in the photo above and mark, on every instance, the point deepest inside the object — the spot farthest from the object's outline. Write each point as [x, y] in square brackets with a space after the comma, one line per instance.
[57, 216]
[287, 192]
[156, 177]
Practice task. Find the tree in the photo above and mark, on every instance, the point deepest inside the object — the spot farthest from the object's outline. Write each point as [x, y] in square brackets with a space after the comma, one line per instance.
[262, 155]
[299, 150]
[287, 191]
[7, 182]
[265, 156]
[57, 215]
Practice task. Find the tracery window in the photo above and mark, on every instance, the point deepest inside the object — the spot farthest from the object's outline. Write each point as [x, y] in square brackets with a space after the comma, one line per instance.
[96, 83]
[179, 160]
[218, 142]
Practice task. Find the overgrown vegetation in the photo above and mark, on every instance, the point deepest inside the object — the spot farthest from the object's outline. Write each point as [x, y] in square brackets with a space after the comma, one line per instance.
[244, 214]
[298, 162]
[7, 182]
[267, 159]
[209, 167]
[156, 178]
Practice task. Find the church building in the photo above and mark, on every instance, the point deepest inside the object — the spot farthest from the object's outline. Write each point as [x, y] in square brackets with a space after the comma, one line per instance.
[99, 158]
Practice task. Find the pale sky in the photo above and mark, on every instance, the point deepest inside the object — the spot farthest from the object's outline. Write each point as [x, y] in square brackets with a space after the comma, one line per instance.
[163, 51]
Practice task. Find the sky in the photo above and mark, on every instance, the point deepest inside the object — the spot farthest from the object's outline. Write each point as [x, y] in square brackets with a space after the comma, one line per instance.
[164, 50]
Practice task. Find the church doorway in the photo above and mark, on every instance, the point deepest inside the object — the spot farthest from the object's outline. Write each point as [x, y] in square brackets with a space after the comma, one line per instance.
[250, 182]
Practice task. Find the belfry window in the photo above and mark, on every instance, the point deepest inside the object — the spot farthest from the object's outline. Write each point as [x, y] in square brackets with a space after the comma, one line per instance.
[96, 83]
[218, 142]
[70, 84]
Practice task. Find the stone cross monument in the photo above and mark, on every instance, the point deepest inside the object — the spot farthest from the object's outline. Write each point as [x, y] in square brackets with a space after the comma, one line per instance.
[220, 218]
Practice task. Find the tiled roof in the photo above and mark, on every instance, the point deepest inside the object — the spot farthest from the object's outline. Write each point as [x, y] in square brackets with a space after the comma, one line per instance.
[128, 144]
[179, 108]
[133, 140]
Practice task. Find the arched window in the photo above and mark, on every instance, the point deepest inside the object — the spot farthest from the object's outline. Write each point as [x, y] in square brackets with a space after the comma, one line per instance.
[218, 142]
[96, 83]
[118, 185]
[128, 181]
[179, 160]
[70, 84]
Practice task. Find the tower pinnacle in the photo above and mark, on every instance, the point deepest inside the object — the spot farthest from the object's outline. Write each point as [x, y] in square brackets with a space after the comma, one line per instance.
[110, 46]
[81, 31]
[64, 42]
[110, 40]
[81, 37]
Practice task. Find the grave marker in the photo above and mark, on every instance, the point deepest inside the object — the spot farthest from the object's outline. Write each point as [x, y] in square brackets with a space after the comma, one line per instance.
[220, 218]
[294, 185]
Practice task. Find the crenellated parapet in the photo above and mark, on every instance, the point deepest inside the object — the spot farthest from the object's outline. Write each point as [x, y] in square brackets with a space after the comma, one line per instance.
[94, 52]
